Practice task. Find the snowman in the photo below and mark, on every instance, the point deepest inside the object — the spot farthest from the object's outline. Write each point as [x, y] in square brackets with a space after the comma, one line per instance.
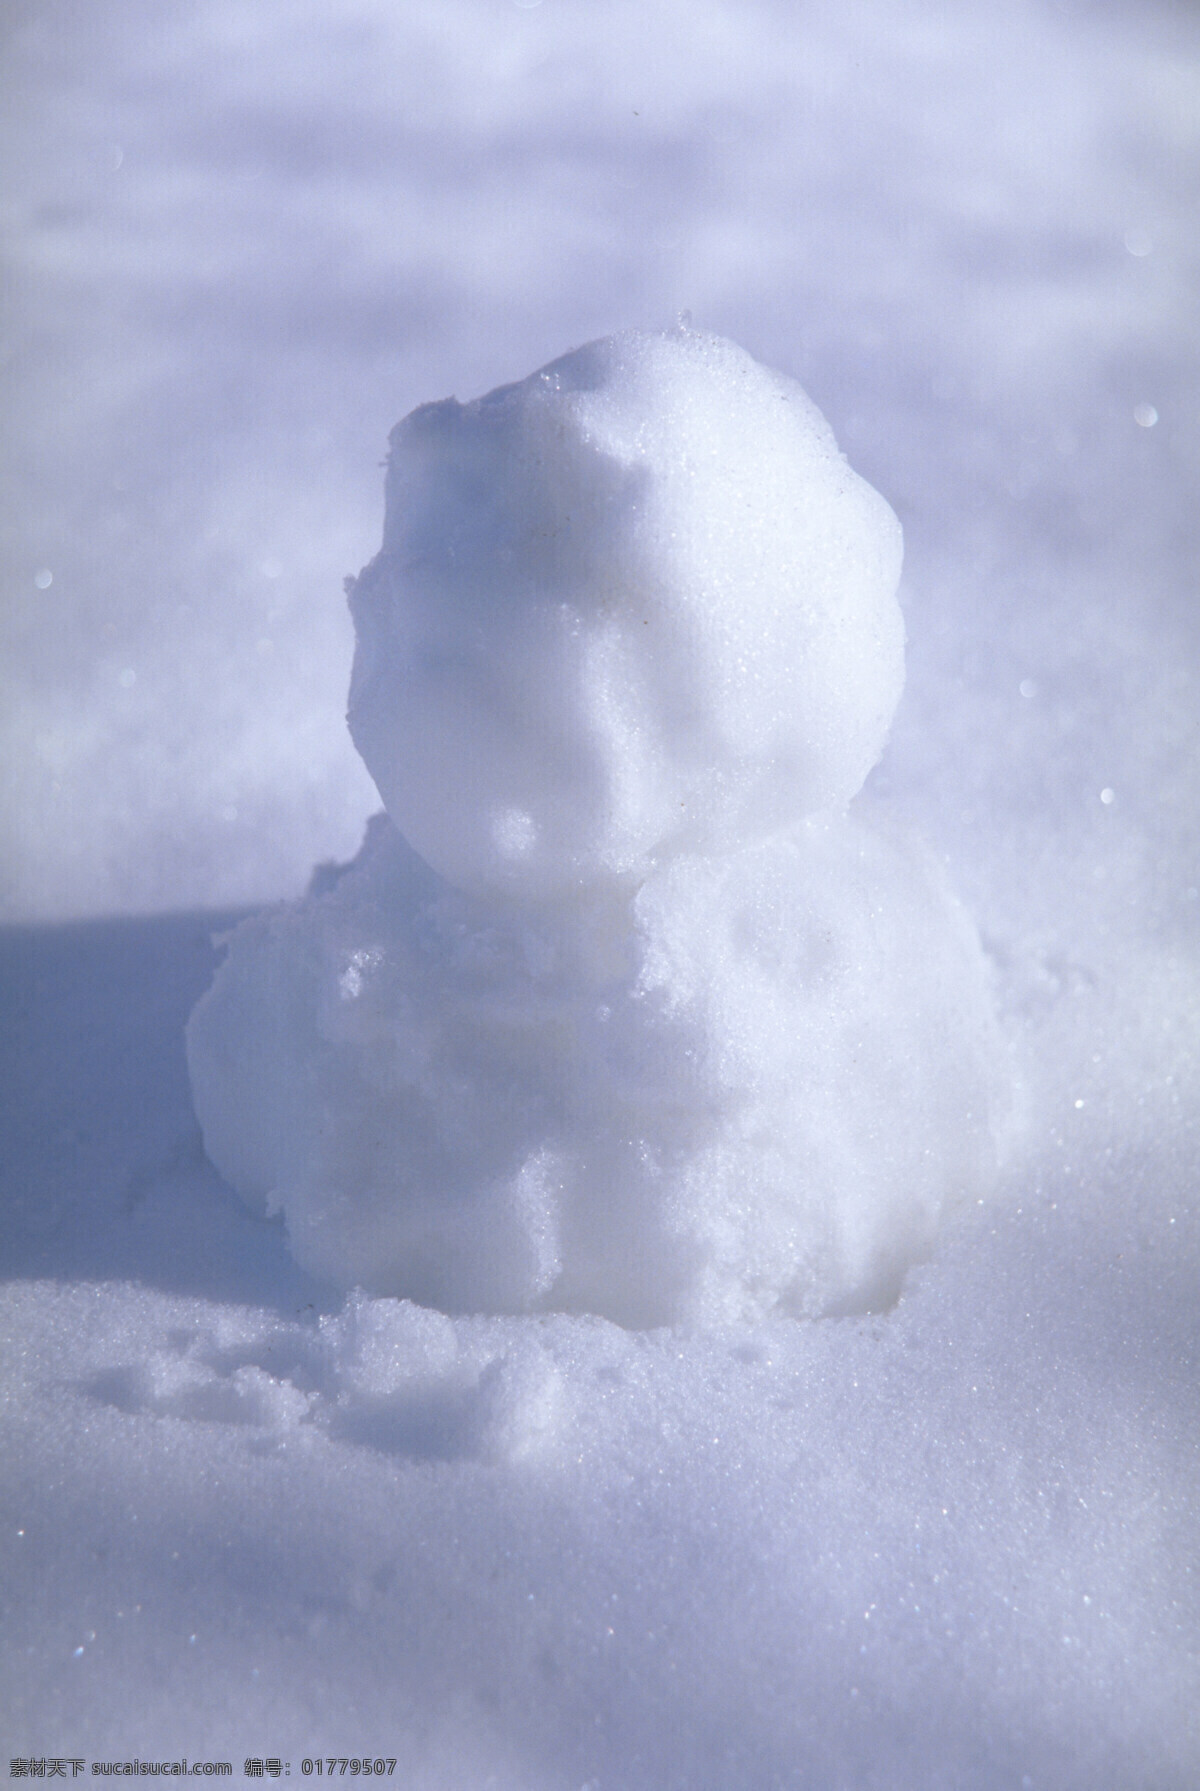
[622, 1008]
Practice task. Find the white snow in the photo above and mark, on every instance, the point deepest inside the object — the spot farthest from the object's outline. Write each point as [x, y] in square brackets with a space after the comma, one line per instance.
[693, 1047]
[243, 1514]
[636, 605]
[686, 1045]
[754, 1083]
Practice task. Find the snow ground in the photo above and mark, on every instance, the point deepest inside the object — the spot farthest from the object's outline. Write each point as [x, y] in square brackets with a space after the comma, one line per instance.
[953, 1546]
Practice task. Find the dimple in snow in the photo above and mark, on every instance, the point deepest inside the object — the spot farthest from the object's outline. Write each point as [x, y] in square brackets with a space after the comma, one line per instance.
[618, 1010]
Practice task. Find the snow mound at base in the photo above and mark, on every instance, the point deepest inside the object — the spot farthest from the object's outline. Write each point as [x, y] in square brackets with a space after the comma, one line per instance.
[754, 1083]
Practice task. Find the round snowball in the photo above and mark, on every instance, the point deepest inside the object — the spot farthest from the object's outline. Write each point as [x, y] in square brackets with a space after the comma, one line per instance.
[636, 605]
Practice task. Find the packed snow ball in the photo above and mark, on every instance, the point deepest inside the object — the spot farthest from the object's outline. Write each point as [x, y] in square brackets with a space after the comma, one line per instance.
[637, 604]
[618, 1010]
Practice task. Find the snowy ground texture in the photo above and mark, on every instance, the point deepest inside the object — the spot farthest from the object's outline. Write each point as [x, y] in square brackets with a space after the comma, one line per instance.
[952, 1546]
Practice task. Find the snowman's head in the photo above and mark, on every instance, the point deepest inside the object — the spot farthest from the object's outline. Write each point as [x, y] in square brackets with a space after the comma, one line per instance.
[634, 605]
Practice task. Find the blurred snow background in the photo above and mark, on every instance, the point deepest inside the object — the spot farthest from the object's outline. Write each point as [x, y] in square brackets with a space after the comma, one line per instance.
[244, 240]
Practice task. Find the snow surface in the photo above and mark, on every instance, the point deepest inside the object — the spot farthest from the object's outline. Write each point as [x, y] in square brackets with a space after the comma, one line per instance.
[950, 1545]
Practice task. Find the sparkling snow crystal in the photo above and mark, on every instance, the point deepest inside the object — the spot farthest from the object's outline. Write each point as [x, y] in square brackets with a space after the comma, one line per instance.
[618, 1010]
